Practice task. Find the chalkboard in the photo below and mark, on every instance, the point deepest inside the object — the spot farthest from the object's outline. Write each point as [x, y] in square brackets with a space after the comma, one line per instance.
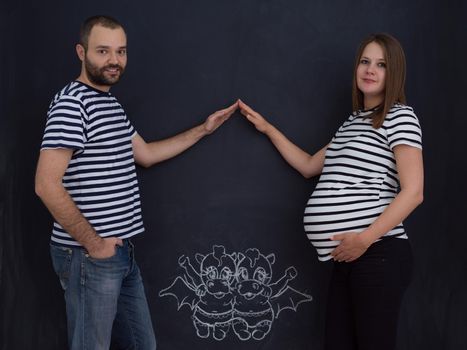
[232, 194]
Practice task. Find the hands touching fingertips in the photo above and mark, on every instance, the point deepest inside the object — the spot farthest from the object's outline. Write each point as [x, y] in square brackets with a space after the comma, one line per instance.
[216, 119]
[149, 153]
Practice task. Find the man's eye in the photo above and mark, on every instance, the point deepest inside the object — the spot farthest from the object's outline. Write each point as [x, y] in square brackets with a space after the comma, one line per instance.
[122, 52]
[102, 52]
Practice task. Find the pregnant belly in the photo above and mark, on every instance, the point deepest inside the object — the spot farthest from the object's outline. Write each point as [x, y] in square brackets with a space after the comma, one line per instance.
[324, 219]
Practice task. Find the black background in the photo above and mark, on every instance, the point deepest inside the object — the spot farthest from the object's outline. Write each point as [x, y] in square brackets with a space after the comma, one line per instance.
[292, 61]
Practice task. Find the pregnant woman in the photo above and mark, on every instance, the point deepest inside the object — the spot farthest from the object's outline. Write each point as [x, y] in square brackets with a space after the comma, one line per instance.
[371, 179]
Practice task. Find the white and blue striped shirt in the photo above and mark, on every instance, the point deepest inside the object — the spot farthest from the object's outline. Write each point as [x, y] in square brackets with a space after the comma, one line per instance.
[359, 177]
[101, 175]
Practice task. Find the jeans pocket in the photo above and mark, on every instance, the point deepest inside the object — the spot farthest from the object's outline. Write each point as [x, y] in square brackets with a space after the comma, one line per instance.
[102, 260]
[61, 261]
[107, 270]
[117, 256]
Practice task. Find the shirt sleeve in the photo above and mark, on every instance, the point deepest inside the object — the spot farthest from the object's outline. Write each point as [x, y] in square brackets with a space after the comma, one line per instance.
[131, 130]
[65, 127]
[403, 128]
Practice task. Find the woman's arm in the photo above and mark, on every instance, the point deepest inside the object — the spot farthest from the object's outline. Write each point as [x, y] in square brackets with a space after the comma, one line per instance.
[409, 162]
[306, 164]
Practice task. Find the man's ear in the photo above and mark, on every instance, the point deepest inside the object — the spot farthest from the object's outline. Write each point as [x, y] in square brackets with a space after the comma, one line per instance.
[80, 51]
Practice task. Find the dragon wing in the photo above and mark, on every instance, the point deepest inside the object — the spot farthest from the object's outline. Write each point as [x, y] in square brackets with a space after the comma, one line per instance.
[184, 292]
[288, 298]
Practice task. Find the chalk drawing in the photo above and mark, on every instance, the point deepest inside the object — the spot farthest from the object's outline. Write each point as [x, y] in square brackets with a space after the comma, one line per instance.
[234, 292]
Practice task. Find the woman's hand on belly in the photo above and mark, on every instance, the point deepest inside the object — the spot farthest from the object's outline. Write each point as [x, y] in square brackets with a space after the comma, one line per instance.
[351, 247]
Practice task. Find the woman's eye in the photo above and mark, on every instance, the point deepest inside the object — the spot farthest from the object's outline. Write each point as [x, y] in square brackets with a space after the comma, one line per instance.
[364, 61]
[382, 65]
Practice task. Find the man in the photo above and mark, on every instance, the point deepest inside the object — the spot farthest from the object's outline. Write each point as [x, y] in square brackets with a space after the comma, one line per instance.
[86, 178]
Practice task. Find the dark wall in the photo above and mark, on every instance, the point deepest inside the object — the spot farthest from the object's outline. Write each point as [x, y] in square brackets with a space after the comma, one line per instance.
[292, 61]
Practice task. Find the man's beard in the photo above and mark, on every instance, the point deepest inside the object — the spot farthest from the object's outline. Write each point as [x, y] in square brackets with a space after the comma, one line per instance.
[97, 76]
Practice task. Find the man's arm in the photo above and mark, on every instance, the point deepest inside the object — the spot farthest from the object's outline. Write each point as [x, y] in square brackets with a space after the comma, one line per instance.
[50, 170]
[149, 153]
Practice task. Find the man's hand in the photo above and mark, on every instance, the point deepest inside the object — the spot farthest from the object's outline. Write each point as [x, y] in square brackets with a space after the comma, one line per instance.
[218, 118]
[104, 248]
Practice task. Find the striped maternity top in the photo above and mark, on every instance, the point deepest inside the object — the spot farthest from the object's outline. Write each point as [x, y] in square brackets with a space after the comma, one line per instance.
[359, 178]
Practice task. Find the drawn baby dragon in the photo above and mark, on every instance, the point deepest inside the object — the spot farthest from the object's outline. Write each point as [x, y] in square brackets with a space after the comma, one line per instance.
[227, 291]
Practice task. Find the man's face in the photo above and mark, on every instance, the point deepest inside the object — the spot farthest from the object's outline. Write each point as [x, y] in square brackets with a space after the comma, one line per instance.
[106, 57]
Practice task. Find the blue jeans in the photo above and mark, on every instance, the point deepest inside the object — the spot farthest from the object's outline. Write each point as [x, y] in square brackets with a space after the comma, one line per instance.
[105, 299]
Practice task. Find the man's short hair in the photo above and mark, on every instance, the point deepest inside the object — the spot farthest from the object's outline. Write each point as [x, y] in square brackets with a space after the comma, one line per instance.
[88, 24]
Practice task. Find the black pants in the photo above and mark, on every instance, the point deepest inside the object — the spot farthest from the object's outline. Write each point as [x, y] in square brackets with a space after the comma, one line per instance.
[365, 295]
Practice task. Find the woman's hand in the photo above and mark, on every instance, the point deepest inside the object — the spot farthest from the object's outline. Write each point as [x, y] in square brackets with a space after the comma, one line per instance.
[260, 123]
[352, 246]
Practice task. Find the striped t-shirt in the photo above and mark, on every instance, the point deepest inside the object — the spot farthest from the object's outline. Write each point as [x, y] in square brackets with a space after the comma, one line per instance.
[101, 175]
[359, 177]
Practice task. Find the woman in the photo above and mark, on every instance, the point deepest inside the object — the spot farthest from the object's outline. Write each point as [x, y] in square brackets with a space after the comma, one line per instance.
[371, 179]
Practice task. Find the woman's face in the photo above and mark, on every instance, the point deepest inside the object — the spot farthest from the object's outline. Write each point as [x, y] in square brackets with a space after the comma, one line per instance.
[371, 75]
